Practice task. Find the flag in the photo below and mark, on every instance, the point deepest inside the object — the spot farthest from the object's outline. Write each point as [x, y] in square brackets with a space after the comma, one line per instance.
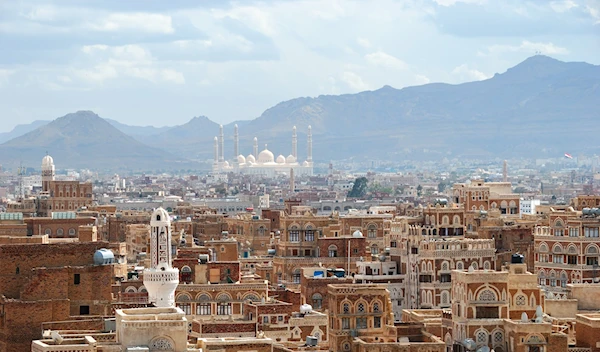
[568, 156]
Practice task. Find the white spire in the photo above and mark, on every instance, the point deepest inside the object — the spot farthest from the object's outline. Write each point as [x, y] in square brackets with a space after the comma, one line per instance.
[236, 140]
[216, 149]
[48, 172]
[294, 143]
[255, 148]
[309, 156]
[161, 279]
[221, 143]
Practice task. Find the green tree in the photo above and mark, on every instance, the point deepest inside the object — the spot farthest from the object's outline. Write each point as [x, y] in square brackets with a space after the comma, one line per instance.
[419, 190]
[359, 189]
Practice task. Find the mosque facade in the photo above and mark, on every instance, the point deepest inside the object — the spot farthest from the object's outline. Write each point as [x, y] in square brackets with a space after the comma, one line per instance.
[262, 163]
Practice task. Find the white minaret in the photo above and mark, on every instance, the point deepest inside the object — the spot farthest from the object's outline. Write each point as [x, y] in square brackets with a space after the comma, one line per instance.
[255, 148]
[236, 141]
[161, 279]
[48, 172]
[309, 156]
[294, 144]
[216, 149]
[221, 144]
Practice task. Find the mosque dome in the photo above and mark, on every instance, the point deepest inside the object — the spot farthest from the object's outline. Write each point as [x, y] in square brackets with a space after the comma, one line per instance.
[47, 162]
[281, 159]
[226, 163]
[241, 159]
[305, 163]
[266, 157]
[357, 234]
[290, 159]
[250, 159]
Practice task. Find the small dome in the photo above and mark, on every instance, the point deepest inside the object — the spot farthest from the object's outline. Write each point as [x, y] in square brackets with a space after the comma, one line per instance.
[266, 156]
[281, 159]
[47, 162]
[226, 163]
[241, 159]
[290, 159]
[305, 163]
[103, 256]
[250, 159]
[357, 234]
[159, 214]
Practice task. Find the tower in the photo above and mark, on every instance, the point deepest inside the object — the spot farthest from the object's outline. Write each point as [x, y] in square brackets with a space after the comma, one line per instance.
[48, 172]
[236, 141]
[161, 279]
[255, 148]
[216, 149]
[221, 143]
[505, 172]
[294, 144]
[309, 156]
[292, 180]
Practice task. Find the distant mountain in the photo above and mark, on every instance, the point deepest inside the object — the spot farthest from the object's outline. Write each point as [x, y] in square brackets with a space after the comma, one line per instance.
[85, 140]
[540, 107]
[137, 131]
[20, 130]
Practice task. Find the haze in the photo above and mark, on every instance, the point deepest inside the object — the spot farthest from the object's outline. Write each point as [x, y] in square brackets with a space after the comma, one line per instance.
[160, 63]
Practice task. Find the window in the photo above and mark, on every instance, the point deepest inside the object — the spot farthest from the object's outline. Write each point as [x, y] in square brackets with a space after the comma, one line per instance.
[487, 313]
[372, 231]
[520, 300]
[48, 232]
[309, 235]
[185, 307]
[558, 232]
[361, 308]
[296, 276]
[590, 232]
[60, 232]
[574, 232]
[346, 323]
[393, 244]
[446, 278]
[71, 232]
[571, 259]
[377, 322]
[294, 236]
[332, 251]
[376, 307]
[361, 323]
[265, 320]
[84, 310]
[203, 308]
[559, 259]
[317, 301]
[591, 260]
[76, 279]
[224, 308]
[346, 308]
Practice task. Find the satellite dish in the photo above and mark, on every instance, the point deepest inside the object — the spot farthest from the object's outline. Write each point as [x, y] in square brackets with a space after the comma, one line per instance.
[56, 337]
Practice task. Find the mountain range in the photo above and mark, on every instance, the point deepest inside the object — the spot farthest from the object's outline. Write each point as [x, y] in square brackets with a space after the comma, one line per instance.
[541, 107]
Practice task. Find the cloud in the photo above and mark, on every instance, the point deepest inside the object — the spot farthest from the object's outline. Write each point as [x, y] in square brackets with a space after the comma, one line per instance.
[454, 2]
[526, 47]
[563, 6]
[363, 42]
[4, 75]
[421, 79]
[380, 58]
[354, 81]
[144, 22]
[465, 73]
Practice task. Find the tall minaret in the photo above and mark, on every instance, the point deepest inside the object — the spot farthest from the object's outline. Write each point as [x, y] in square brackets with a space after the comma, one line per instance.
[255, 148]
[48, 172]
[236, 140]
[505, 172]
[292, 180]
[216, 149]
[221, 144]
[161, 279]
[295, 144]
[309, 156]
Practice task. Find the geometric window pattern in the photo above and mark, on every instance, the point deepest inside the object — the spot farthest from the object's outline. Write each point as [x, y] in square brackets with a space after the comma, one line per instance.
[487, 295]
[361, 308]
[521, 300]
[161, 344]
[498, 337]
[481, 337]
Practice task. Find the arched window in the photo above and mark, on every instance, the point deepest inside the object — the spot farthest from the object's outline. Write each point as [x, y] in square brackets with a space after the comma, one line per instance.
[332, 251]
[317, 301]
[48, 232]
[459, 266]
[186, 274]
[487, 295]
[183, 301]
[360, 308]
[376, 308]
[456, 220]
[346, 308]
[445, 298]
[481, 336]
[372, 231]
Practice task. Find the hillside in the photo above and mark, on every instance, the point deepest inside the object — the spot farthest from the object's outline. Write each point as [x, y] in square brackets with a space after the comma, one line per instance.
[84, 140]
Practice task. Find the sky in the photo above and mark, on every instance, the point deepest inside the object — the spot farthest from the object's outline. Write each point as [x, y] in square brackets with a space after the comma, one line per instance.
[157, 62]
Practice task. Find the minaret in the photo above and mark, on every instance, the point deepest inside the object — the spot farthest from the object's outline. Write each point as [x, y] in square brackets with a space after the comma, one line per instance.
[221, 144]
[236, 140]
[216, 149]
[309, 156]
[48, 172]
[292, 180]
[504, 172]
[295, 144]
[255, 148]
[161, 279]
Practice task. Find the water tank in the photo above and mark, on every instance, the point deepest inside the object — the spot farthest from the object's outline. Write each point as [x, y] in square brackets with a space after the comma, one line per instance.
[203, 258]
[104, 256]
[270, 252]
[517, 259]
[587, 211]
[311, 341]
[306, 308]
[382, 258]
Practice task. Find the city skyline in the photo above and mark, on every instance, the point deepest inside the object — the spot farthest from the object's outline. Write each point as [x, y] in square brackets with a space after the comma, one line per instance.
[156, 61]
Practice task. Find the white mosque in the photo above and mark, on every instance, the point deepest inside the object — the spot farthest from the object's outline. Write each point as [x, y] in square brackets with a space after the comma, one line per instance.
[263, 163]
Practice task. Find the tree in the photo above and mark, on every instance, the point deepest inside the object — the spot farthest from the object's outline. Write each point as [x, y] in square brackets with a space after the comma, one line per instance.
[359, 189]
[419, 190]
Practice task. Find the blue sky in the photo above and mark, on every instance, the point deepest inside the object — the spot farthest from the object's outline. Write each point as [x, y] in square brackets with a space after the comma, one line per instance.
[161, 62]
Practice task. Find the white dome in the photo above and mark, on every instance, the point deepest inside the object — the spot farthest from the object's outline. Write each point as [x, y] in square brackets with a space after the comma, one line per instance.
[47, 162]
[281, 159]
[241, 159]
[250, 159]
[357, 234]
[266, 157]
[226, 163]
[290, 159]
[305, 163]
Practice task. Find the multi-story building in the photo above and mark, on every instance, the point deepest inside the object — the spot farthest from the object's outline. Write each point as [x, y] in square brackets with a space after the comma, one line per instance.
[481, 195]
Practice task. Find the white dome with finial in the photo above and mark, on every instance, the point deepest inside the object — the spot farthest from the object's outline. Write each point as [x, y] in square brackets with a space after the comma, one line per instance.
[290, 159]
[281, 159]
[266, 156]
[47, 162]
[250, 159]
[241, 159]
